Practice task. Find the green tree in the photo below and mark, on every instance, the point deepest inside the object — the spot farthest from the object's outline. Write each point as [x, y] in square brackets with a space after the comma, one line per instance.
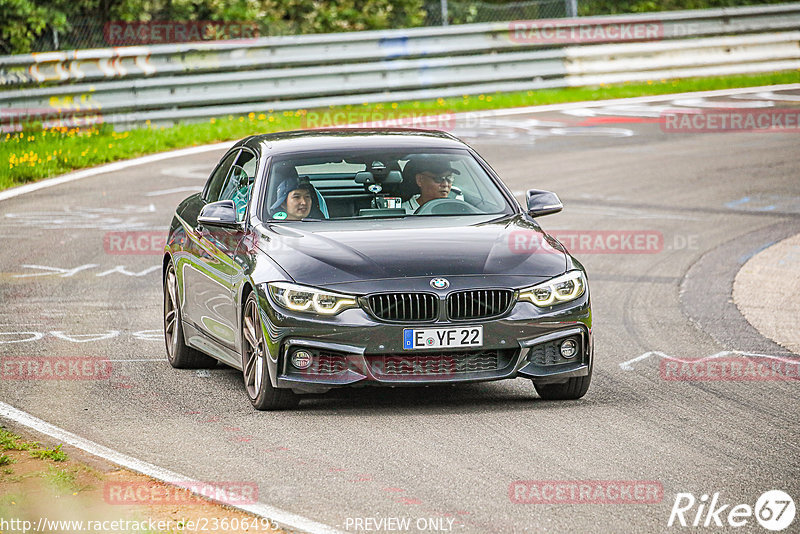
[22, 22]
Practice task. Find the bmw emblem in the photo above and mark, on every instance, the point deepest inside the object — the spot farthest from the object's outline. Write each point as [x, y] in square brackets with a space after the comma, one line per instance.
[375, 188]
[440, 283]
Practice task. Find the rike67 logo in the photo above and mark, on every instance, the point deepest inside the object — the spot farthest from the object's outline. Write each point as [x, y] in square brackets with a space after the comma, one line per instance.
[774, 510]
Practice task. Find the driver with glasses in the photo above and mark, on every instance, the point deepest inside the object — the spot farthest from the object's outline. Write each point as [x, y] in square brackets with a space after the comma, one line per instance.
[434, 177]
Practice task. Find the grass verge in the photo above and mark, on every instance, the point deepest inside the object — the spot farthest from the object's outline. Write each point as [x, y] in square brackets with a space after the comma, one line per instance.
[55, 454]
[35, 154]
[57, 497]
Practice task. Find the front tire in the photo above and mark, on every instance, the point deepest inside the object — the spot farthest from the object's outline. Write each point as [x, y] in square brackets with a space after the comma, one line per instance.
[262, 395]
[179, 355]
[574, 388]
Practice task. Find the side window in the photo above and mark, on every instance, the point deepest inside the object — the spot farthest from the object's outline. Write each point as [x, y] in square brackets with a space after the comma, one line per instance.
[465, 181]
[217, 179]
[240, 183]
[477, 191]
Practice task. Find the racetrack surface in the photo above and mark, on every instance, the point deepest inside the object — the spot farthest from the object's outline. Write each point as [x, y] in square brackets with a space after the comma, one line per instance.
[452, 452]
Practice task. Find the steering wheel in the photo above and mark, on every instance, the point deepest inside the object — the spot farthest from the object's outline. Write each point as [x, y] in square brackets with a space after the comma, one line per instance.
[446, 206]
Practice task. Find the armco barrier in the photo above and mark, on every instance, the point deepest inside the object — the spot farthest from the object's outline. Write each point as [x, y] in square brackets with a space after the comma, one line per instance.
[130, 85]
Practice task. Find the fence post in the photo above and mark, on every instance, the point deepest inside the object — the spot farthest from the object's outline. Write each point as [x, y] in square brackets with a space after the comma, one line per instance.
[444, 12]
[572, 8]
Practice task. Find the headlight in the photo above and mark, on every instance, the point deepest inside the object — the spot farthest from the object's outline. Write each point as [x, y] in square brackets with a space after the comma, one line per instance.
[562, 288]
[308, 299]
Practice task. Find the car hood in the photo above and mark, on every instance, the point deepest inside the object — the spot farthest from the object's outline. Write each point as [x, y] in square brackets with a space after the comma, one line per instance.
[335, 252]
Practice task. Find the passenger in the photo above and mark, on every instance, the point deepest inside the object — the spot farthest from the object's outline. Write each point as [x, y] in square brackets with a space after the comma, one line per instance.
[434, 177]
[296, 199]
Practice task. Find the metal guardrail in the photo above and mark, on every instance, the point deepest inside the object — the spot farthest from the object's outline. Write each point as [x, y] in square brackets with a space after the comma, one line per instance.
[200, 80]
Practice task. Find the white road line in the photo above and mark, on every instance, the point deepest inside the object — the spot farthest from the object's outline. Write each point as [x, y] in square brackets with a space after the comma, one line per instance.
[193, 189]
[628, 366]
[632, 100]
[282, 517]
[140, 360]
[112, 167]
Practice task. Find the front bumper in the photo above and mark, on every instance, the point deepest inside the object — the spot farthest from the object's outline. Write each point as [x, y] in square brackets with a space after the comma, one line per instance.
[355, 349]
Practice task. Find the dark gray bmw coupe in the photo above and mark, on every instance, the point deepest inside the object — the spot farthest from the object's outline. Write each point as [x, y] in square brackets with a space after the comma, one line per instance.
[331, 258]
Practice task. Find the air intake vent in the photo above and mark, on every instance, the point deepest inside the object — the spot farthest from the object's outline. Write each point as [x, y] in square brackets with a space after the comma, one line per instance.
[479, 304]
[404, 306]
[435, 365]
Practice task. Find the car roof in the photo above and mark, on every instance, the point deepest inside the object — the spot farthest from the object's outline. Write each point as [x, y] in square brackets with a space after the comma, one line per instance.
[344, 138]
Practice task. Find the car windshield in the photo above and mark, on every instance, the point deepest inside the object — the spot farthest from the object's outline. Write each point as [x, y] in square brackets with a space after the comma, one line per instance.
[356, 184]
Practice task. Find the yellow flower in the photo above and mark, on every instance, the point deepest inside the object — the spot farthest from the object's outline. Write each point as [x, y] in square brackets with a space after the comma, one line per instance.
[271, 118]
[261, 117]
[481, 97]
[394, 105]
[213, 120]
[251, 115]
[488, 98]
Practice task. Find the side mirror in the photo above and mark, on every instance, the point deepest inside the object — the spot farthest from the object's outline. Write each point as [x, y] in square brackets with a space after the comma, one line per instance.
[543, 203]
[220, 213]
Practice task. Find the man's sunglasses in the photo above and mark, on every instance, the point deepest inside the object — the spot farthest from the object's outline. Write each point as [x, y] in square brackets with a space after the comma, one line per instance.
[439, 179]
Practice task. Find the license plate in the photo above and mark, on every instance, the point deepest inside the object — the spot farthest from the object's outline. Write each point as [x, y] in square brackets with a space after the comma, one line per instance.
[437, 338]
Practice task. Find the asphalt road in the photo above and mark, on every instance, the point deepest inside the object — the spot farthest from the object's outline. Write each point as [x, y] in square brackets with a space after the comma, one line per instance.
[448, 453]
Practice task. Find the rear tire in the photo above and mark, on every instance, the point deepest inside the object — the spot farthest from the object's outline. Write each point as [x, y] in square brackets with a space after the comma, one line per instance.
[574, 388]
[179, 355]
[262, 395]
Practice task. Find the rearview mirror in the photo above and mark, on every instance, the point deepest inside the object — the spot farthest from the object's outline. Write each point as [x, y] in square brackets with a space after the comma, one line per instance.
[364, 177]
[543, 203]
[220, 213]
